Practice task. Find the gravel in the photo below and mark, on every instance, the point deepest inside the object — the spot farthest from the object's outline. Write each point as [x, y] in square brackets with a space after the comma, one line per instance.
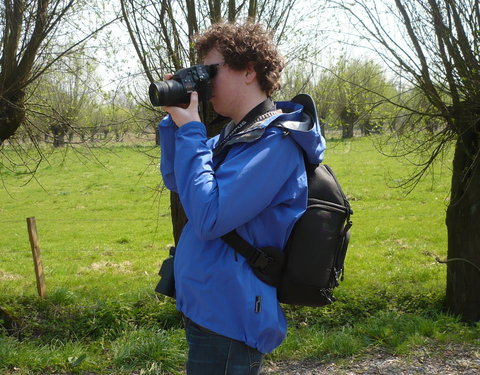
[452, 359]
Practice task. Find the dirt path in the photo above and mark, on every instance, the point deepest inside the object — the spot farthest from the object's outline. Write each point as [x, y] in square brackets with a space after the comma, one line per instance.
[454, 359]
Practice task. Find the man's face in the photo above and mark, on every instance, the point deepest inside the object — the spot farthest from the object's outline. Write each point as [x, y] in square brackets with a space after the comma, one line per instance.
[228, 85]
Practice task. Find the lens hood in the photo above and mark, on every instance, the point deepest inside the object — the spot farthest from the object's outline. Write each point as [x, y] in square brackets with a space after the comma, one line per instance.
[169, 92]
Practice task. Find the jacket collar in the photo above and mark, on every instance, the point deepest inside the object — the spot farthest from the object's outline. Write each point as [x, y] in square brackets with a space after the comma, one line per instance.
[287, 113]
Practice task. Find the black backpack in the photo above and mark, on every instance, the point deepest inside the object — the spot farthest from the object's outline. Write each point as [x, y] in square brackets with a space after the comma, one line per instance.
[312, 263]
[316, 249]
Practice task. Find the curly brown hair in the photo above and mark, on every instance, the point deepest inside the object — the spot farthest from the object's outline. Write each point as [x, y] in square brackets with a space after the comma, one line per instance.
[242, 44]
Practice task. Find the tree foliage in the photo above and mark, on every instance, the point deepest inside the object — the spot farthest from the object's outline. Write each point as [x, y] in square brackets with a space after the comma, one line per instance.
[350, 94]
[355, 90]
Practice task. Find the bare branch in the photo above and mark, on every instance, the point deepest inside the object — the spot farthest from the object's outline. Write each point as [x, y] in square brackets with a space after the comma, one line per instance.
[136, 45]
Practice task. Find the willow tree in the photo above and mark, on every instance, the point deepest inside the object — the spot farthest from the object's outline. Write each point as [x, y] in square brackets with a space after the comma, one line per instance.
[436, 51]
[161, 32]
[352, 94]
[64, 102]
[33, 36]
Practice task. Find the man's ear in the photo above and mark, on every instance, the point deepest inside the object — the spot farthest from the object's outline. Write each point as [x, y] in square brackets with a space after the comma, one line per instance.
[250, 73]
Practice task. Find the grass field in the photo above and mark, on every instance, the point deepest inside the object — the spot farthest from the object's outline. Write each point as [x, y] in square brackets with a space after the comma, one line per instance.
[97, 213]
[104, 227]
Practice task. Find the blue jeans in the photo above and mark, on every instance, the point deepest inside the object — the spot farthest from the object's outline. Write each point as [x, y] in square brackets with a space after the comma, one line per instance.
[212, 354]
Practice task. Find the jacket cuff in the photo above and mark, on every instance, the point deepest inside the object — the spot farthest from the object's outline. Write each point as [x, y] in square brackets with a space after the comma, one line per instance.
[192, 126]
[166, 122]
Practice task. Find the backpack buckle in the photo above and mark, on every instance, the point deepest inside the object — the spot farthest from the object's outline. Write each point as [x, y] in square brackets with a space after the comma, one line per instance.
[259, 260]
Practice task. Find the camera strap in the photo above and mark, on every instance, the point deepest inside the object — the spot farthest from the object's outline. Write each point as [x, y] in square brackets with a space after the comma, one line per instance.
[262, 111]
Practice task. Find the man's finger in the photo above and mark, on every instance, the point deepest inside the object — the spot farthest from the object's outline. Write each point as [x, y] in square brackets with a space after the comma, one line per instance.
[193, 100]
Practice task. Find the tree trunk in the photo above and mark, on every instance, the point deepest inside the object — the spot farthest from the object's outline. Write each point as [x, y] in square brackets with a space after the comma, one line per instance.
[252, 10]
[58, 133]
[463, 218]
[179, 219]
[347, 131]
[12, 114]
[231, 11]
[348, 119]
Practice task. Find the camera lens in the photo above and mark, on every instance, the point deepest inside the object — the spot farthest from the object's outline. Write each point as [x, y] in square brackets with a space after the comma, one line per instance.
[168, 92]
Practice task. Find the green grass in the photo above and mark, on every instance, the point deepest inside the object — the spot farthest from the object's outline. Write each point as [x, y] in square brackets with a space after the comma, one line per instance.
[104, 229]
[102, 220]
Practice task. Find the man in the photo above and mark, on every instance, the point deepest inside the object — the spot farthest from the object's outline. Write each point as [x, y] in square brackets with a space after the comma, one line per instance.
[250, 179]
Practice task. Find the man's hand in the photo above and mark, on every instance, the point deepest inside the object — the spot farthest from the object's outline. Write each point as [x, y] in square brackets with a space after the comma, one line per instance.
[184, 113]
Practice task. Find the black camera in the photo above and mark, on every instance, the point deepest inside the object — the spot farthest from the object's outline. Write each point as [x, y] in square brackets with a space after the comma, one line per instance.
[177, 90]
[166, 285]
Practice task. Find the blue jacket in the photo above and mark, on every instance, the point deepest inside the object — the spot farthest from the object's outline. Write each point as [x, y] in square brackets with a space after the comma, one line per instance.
[260, 190]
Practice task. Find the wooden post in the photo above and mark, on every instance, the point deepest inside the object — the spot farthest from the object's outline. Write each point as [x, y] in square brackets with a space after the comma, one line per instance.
[37, 260]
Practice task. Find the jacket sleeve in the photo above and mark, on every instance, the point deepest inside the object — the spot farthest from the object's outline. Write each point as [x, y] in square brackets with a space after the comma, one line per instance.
[167, 130]
[245, 184]
[167, 134]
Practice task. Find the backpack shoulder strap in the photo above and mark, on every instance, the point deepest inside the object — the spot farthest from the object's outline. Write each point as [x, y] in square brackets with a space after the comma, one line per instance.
[267, 263]
[255, 257]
